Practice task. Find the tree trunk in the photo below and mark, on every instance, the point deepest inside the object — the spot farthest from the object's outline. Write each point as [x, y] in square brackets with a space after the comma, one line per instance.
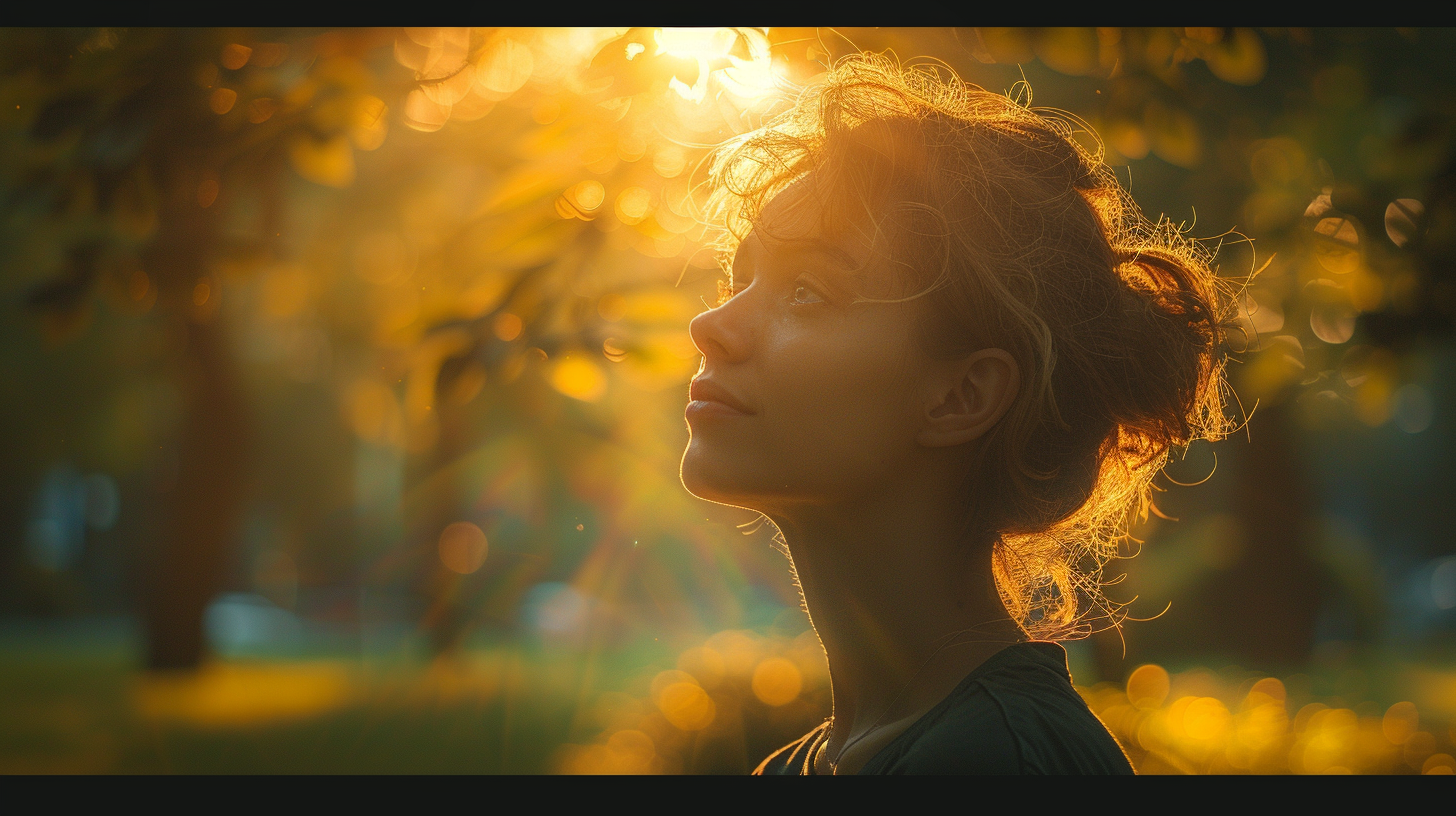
[1272, 593]
[191, 563]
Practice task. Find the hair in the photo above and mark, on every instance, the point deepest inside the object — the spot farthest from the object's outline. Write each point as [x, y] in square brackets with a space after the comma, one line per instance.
[1016, 236]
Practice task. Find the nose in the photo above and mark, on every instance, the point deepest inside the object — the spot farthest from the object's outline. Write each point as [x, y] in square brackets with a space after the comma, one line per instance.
[722, 334]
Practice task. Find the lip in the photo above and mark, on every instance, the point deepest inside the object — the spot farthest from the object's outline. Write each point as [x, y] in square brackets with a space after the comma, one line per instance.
[707, 395]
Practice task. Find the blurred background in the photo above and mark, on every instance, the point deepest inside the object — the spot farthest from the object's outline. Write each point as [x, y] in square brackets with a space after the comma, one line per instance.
[342, 374]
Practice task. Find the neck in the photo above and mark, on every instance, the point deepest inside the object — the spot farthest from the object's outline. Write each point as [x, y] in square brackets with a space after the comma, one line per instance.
[903, 602]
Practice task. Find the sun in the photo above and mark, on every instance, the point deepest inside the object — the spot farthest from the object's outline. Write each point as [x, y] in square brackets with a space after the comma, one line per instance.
[749, 78]
[696, 43]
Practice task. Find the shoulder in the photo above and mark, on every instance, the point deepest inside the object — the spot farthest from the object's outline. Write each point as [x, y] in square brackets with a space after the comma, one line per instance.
[970, 736]
[790, 759]
[1018, 713]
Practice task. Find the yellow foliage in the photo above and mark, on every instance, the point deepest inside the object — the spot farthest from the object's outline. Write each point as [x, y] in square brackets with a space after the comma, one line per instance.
[328, 161]
[372, 411]
[1174, 135]
[232, 696]
[369, 123]
[633, 205]
[687, 706]
[579, 378]
[285, 290]
[222, 100]
[505, 66]
[1147, 686]
[1238, 60]
[423, 113]
[777, 681]
[1280, 362]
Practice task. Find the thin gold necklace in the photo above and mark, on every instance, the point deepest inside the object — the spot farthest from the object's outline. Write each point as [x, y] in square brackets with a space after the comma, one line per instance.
[949, 641]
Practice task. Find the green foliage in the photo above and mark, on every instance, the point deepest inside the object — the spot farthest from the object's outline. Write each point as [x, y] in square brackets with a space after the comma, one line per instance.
[454, 269]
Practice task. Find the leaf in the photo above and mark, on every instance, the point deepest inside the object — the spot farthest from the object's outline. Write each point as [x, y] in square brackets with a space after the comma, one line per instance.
[1403, 219]
[447, 91]
[66, 292]
[740, 49]
[1240, 59]
[685, 69]
[1338, 229]
[329, 162]
[1337, 242]
[1331, 317]
[1319, 206]
[423, 113]
[61, 115]
[505, 67]
[1174, 135]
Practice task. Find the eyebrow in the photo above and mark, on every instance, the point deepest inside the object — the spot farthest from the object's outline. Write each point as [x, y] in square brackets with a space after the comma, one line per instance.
[817, 246]
[827, 248]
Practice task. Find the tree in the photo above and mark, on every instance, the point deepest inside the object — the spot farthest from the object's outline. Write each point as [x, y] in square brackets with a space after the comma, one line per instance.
[476, 249]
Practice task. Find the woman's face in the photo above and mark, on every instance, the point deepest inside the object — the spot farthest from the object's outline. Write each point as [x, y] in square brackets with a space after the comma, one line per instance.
[804, 396]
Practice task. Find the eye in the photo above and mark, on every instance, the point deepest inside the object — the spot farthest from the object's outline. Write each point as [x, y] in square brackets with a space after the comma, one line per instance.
[804, 294]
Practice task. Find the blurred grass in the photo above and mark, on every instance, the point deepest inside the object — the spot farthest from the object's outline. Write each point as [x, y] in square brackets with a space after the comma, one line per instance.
[550, 416]
[84, 706]
[1199, 721]
[74, 700]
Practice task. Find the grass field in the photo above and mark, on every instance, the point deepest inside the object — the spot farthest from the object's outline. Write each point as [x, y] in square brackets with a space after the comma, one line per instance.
[74, 700]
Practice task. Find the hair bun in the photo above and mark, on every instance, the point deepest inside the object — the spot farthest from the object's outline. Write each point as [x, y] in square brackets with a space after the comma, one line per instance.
[1173, 337]
[1018, 237]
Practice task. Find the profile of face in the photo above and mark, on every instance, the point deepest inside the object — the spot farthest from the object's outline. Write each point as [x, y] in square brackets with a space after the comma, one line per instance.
[809, 394]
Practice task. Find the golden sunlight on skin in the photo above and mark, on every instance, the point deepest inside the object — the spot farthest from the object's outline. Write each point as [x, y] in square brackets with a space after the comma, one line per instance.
[436, 284]
[828, 393]
[818, 405]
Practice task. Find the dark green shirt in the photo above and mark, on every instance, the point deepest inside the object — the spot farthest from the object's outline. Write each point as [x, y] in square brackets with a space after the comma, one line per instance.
[1016, 713]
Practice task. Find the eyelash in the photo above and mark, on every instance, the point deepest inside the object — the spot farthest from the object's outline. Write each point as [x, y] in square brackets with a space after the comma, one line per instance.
[727, 292]
[799, 284]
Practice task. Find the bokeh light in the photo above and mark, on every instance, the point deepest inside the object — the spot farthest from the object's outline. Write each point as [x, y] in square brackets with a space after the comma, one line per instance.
[463, 547]
[777, 681]
[299, 318]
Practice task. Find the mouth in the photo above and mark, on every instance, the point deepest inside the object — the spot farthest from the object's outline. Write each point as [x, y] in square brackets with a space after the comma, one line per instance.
[709, 397]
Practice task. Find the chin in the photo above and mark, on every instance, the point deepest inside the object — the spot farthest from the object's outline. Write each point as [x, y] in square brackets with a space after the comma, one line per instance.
[709, 478]
[698, 476]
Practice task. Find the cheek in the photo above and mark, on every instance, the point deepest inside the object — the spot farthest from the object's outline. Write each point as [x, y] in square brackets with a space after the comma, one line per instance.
[839, 409]
[836, 415]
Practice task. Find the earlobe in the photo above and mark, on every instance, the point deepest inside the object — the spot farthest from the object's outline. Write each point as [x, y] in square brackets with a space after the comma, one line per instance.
[971, 397]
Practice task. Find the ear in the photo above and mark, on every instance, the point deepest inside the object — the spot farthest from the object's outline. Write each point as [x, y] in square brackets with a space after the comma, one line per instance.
[970, 397]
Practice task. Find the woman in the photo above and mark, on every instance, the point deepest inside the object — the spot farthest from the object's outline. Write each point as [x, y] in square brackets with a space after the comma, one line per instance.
[950, 359]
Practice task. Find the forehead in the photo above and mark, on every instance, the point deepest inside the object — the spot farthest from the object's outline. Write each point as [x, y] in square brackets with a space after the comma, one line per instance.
[803, 218]
[795, 212]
